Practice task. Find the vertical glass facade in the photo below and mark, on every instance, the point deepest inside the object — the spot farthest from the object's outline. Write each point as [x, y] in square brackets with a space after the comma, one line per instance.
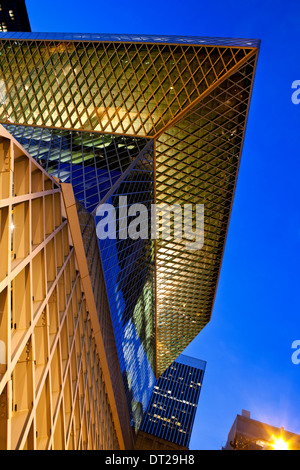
[99, 99]
[172, 408]
[128, 265]
[197, 161]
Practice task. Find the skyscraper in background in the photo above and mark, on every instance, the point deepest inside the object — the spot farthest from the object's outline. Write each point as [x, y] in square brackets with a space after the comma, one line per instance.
[249, 434]
[158, 120]
[13, 16]
[173, 404]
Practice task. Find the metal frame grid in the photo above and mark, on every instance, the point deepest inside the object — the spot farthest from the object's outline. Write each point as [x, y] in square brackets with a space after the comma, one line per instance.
[197, 161]
[54, 389]
[129, 271]
[91, 162]
[192, 99]
[117, 87]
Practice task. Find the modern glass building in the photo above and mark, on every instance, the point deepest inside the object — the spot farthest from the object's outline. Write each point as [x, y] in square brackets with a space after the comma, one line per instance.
[172, 408]
[56, 386]
[153, 119]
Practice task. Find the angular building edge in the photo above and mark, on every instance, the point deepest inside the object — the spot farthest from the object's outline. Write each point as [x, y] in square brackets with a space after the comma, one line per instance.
[71, 211]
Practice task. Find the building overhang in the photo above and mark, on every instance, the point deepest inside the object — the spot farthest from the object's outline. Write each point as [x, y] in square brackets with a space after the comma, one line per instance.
[190, 97]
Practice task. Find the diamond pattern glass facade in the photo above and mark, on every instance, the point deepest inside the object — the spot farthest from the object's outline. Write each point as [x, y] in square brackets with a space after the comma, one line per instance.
[124, 88]
[128, 265]
[91, 162]
[160, 120]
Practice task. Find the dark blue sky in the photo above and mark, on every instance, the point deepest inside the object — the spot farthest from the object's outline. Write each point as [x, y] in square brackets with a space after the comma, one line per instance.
[247, 344]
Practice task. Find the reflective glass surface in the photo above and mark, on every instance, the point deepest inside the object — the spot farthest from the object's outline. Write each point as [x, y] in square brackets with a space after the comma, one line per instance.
[128, 266]
[197, 162]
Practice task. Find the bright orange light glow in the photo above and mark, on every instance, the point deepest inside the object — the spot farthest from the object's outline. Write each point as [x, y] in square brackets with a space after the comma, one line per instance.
[280, 444]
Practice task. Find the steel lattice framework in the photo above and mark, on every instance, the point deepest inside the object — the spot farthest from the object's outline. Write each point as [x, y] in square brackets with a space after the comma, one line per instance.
[55, 386]
[187, 97]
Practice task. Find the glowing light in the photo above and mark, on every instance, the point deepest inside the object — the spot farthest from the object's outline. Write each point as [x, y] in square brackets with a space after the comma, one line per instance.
[279, 444]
